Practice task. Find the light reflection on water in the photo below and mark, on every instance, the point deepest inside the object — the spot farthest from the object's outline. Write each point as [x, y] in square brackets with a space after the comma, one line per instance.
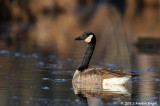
[44, 79]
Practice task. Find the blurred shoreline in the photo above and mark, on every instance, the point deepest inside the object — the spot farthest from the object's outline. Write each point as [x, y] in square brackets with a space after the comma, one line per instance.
[53, 24]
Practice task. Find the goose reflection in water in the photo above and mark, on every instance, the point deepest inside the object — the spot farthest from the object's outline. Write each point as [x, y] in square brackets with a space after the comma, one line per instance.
[88, 93]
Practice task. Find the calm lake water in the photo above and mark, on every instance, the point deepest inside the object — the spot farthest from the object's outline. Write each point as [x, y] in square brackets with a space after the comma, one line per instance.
[33, 77]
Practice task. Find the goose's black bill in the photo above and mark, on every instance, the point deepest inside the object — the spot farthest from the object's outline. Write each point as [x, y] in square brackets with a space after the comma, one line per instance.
[78, 38]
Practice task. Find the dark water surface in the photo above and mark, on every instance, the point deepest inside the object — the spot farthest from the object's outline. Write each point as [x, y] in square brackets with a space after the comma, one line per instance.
[35, 78]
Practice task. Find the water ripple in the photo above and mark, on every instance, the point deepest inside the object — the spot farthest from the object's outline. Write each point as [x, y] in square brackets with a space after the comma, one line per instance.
[45, 88]
[61, 80]
[4, 52]
[46, 79]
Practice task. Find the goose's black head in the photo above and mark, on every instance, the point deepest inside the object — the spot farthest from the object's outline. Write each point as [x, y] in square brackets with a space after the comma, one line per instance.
[87, 37]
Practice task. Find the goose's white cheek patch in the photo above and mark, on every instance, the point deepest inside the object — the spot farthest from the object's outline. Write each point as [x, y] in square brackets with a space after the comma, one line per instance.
[89, 38]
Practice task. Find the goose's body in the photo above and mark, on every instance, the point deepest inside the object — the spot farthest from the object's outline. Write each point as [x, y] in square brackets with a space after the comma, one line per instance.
[100, 75]
[96, 75]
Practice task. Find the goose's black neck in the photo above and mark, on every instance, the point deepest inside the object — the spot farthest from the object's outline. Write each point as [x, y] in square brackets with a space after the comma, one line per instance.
[85, 62]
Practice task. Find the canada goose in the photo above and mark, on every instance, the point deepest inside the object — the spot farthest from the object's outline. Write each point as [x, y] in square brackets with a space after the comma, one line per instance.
[86, 75]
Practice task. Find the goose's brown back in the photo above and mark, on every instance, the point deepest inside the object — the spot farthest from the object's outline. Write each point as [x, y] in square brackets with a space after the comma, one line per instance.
[95, 75]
